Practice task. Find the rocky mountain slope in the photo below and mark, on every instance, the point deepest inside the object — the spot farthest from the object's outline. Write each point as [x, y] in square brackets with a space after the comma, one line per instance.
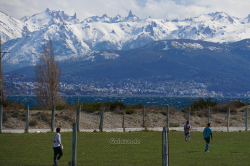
[77, 38]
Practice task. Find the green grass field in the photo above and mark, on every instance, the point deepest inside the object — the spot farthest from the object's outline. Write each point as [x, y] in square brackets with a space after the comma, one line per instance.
[94, 148]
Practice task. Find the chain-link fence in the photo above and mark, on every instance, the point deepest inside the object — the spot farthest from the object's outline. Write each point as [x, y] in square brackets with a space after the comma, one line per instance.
[127, 138]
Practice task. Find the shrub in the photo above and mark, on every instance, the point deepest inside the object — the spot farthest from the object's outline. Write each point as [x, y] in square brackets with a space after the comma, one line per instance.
[45, 117]
[136, 106]
[33, 123]
[202, 104]
[15, 114]
[12, 105]
[233, 106]
[117, 104]
[66, 118]
[96, 106]
[35, 108]
[130, 111]
[185, 109]
[60, 107]
[173, 124]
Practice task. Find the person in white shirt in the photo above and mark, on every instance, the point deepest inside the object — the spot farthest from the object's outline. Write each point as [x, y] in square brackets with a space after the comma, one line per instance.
[57, 146]
[187, 128]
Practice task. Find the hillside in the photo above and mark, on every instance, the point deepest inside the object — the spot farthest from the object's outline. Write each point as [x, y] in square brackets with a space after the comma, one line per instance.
[222, 68]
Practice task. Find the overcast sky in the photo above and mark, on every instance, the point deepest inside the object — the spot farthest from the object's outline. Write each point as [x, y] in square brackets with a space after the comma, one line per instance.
[164, 9]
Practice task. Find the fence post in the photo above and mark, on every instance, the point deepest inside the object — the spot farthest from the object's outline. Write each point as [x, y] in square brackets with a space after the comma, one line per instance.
[208, 115]
[78, 117]
[123, 120]
[228, 117]
[1, 118]
[143, 124]
[165, 159]
[101, 123]
[189, 110]
[27, 119]
[53, 118]
[74, 142]
[246, 118]
[167, 118]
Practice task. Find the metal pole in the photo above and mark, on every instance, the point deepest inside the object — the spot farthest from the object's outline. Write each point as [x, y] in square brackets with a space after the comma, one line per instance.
[167, 149]
[1, 73]
[78, 118]
[2, 99]
[164, 147]
[123, 120]
[101, 123]
[143, 123]
[208, 114]
[189, 110]
[246, 118]
[74, 142]
[228, 117]
[167, 118]
[1, 118]
[53, 118]
[27, 119]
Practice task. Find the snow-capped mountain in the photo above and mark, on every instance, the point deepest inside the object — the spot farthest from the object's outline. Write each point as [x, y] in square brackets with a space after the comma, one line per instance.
[78, 38]
[10, 28]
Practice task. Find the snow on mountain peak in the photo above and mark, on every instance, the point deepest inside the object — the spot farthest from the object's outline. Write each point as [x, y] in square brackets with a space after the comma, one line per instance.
[73, 37]
[221, 16]
[47, 18]
[131, 17]
[10, 28]
[247, 19]
[74, 17]
[130, 14]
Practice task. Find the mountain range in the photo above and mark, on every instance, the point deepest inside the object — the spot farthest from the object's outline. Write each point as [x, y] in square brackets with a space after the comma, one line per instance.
[79, 38]
[212, 48]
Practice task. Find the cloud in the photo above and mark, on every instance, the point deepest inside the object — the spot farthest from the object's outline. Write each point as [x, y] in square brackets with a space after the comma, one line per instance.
[164, 9]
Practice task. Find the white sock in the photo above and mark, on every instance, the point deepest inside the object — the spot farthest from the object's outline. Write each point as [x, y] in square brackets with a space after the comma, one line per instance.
[188, 138]
[56, 160]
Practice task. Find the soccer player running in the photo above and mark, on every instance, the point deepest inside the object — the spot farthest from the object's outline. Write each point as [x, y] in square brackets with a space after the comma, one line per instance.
[207, 133]
[187, 128]
[57, 146]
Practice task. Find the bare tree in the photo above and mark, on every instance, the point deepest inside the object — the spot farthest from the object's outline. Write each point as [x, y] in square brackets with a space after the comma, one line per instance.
[47, 78]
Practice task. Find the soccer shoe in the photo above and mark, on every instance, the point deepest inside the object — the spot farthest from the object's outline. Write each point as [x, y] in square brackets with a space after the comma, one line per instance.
[206, 150]
[55, 164]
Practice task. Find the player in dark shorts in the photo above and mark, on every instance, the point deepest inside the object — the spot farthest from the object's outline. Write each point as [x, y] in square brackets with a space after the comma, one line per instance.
[187, 128]
[207, 134]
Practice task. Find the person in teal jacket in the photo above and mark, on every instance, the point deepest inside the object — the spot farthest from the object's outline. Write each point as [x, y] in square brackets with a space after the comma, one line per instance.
[207, 134]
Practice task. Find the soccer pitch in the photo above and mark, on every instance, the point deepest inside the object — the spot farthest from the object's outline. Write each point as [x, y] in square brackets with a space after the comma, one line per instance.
[129, 148]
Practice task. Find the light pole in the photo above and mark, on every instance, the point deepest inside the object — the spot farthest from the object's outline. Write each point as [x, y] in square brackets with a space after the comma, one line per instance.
[2, 99]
